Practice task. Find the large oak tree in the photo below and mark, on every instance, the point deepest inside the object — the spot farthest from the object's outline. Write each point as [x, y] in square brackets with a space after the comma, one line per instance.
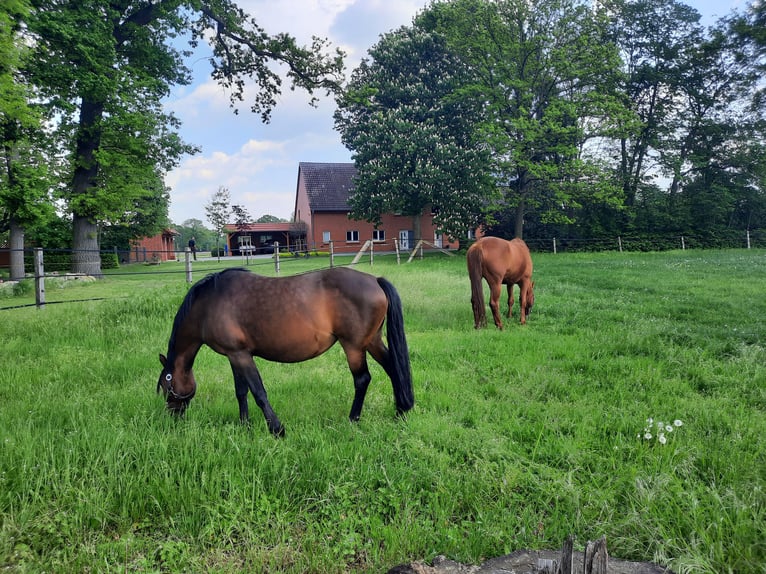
[105, 66]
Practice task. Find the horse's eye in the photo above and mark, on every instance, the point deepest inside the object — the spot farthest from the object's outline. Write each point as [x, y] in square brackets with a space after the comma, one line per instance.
[168, 377]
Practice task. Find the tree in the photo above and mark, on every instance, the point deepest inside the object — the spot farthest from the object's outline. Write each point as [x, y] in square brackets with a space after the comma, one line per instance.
[106, 67]
[218, 210]
[655, 38]
[242, 221]
[546, 76]
[412, 141]
[24, 182]
[270, 219]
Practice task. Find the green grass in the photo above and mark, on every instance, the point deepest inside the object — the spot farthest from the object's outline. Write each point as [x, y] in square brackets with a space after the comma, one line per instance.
[519, 437]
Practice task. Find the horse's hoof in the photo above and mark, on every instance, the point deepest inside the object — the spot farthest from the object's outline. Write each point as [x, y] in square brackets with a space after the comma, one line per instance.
[279, 432]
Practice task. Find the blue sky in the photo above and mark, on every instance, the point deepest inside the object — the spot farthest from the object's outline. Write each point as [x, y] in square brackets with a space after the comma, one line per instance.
[257, 162]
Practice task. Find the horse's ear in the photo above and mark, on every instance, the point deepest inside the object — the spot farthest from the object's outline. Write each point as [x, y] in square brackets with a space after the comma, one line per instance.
[163, 360]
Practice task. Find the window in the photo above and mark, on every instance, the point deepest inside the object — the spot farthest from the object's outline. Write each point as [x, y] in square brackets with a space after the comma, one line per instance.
[352, 236]
[325, 237]
[378, 234]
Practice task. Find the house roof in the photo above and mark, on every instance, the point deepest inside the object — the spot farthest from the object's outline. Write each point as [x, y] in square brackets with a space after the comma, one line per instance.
[265, 227]
[328, 185]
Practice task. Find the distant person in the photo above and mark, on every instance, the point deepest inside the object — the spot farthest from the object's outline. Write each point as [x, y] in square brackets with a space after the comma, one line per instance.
[193, 247]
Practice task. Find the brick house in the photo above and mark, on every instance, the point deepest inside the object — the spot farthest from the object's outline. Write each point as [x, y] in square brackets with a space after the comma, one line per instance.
[321, 206]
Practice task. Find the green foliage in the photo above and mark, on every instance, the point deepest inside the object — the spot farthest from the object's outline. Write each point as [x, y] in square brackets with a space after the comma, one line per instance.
[519, 437]
[547, 79]
[105, 71]
[109, 261]
[413, 141]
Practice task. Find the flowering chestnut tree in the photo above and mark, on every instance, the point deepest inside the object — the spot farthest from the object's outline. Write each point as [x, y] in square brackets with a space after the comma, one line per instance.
[412, 139]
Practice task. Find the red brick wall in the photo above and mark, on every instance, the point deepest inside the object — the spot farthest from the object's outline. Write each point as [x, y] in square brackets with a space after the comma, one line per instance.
[338, 224]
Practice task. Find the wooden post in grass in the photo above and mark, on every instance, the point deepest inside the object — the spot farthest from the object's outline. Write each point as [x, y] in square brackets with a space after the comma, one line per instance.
[188, 265]
[332, 254]
[39, 278]
[596, 558]
[396, 246]
[276, 257]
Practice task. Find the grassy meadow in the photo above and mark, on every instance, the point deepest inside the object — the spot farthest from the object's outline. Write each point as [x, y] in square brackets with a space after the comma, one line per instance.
[518, 437]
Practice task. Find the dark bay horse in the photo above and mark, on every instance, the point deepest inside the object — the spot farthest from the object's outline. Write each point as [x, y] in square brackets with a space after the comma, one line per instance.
[242, 315]
[500, 262]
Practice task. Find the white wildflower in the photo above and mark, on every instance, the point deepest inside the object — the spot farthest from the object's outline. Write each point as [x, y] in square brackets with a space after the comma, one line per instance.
[662, 439]
[678, 423]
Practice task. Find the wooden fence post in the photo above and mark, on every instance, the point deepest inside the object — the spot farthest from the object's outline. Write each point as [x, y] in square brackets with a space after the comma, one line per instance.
[554, 246]
[39, 278]
[276, 257]
[187, 254]
[748, 239]
[619, 242]
[683, 244]
[332, 253]
[396, 246]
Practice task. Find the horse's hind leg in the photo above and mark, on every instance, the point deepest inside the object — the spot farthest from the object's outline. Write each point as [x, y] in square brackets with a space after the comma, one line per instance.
[246, 376]
[494, 302]
[357, 362]
[510, 300]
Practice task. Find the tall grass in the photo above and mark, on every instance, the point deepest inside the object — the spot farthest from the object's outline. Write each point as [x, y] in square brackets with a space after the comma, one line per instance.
[518, 438]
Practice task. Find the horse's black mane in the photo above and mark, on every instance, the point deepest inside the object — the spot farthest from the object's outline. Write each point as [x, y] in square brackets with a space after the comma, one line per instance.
[203, 286]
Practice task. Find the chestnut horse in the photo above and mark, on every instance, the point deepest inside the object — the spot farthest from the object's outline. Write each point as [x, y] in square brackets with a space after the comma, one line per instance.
[500, 262]
[242, 315]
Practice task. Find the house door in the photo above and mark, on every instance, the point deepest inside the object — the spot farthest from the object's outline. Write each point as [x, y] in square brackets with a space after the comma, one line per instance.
[404, 239]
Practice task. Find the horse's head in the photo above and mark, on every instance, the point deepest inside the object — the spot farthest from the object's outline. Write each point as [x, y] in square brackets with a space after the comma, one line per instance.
[178, 385]
[530, 298]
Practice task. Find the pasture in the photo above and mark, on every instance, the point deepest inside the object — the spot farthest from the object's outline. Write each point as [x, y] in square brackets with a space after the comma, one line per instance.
[518, 437]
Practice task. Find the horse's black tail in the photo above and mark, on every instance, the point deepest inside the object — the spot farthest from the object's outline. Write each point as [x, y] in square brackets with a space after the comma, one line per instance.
[399, 366]
[474, 261]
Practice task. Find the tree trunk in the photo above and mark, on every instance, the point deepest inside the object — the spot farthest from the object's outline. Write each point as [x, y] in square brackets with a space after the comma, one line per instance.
[518, 230]
[86, 258]
[416, 231]
[17, 251]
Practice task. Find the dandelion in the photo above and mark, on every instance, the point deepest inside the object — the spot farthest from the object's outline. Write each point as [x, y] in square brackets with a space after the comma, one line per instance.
[659, 430]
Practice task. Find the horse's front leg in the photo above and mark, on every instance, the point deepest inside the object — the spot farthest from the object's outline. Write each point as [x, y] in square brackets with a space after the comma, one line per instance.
[494, 302]
[246, 376]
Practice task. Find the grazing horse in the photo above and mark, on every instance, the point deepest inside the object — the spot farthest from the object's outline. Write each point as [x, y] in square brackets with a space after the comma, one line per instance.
[243, 315]
[499, 262]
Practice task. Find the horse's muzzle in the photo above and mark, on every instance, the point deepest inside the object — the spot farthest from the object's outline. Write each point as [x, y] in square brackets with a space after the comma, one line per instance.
[177, 405]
